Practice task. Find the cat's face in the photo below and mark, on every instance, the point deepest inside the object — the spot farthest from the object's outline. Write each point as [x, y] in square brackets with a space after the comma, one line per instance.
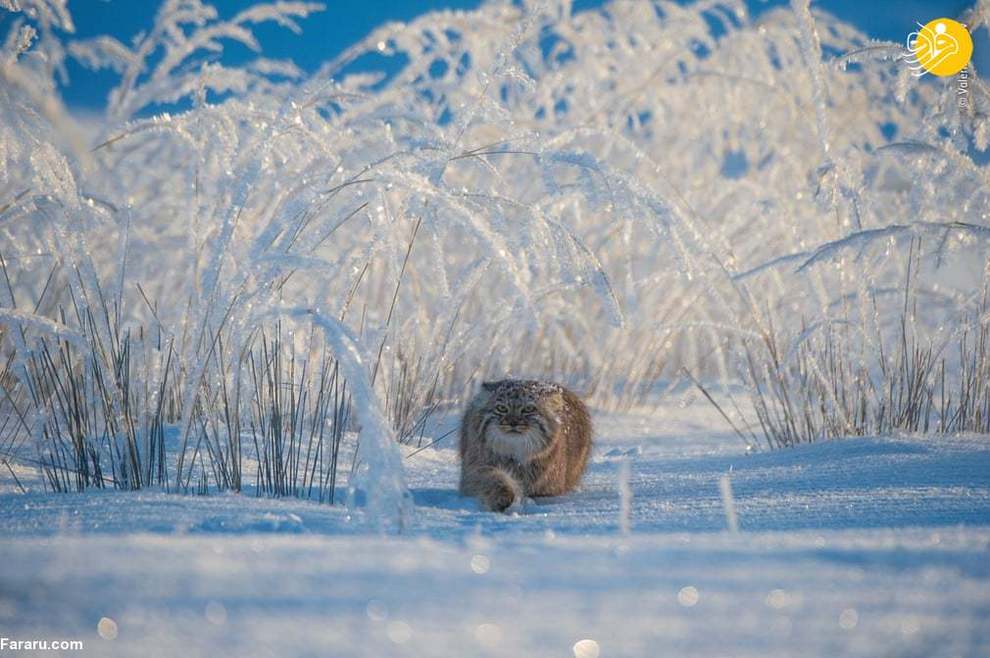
[520, 416]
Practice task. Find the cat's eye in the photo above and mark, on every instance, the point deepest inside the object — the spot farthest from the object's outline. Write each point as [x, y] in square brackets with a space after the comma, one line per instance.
[501, 408]
[529, 409]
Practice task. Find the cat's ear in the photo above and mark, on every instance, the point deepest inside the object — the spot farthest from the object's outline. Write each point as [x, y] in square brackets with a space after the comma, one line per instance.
[489, 386]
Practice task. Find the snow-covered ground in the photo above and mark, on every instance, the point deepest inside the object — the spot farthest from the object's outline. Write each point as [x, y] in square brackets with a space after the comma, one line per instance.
[862, 547]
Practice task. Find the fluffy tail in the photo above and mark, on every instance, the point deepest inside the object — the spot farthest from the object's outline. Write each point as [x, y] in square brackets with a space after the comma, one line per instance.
[495, 487]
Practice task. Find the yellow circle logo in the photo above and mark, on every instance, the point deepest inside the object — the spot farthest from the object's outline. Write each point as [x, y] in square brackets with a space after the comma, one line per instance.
[942, 47]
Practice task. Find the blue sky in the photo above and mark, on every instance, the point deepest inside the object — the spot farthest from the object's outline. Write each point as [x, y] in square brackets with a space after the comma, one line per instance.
[345, 21]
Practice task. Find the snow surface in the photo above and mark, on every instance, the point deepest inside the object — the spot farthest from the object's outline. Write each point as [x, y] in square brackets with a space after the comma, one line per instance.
[860, 547]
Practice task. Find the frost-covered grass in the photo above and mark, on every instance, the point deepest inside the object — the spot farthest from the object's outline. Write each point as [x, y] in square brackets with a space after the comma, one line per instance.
[844, 384]
[616, 198]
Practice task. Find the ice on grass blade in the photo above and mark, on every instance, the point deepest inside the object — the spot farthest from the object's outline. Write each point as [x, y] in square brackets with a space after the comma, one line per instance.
[625, 496]
[24, 322]
[152, 70]
[388, 503]
[728, 503]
